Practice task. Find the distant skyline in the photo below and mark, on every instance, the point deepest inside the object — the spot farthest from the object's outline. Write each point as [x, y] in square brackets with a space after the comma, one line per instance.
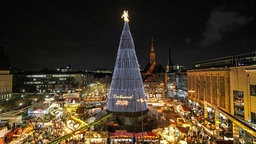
[49, 34]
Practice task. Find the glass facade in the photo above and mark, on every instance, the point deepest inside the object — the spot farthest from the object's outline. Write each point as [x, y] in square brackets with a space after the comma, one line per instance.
[238, 103]
[253, 90]
[253, 117]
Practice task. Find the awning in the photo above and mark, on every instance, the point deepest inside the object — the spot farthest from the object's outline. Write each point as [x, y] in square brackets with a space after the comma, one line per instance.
[146, 135]
[121, 134]
[185, 108]
[182, 129]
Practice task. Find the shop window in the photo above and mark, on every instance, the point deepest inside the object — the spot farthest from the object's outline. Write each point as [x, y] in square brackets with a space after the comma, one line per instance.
[253, 90]
[253, 117]
[238, 103]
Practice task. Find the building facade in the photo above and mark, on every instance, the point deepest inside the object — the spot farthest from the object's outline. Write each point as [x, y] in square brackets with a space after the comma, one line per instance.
[38, 82]
[211, 86]
[5, 84]
[225, 87]
[57, 81]
[154, 77]
[243, 92]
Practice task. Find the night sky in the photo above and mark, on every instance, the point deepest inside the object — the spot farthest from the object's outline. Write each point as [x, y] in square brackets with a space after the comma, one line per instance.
[50, 34]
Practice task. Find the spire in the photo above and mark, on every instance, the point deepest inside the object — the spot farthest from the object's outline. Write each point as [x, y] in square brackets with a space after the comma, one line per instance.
[152, 46]
[152, 52]
[170, 65]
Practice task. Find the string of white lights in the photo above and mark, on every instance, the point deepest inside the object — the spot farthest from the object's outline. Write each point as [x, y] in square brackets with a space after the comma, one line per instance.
[126, 90]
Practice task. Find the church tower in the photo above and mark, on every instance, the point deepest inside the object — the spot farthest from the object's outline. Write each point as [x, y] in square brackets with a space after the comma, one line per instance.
[169, 66]
[170, 77]
[152, 52]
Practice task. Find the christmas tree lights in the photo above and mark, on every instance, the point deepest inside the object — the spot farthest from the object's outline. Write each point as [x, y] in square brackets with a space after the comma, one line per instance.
[126, 91]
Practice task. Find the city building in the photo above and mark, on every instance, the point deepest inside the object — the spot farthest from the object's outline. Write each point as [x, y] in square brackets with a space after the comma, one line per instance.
[57, 81]
[47, 82]
[175, 79]
[170, 77]
[5, 76]
[5, 84]
[223, 90]
[154, 77]
[181, 84]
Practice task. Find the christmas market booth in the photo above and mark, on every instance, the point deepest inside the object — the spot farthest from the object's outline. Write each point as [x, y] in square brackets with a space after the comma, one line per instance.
[149, 137]
[96, 137]
[121, 136]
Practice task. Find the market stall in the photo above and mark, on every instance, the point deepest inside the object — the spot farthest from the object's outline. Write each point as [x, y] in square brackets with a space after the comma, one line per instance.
[93, 137]
[149, 137]
[121, 137]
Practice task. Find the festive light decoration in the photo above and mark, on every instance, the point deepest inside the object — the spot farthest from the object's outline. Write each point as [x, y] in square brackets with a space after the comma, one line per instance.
[126, 90]
[125, 16]
[121, 102]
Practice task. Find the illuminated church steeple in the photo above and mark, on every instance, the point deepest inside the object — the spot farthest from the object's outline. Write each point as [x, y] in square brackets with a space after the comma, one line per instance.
[152, 52]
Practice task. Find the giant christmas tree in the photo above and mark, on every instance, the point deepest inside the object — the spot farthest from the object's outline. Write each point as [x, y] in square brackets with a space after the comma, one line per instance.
[127, 96]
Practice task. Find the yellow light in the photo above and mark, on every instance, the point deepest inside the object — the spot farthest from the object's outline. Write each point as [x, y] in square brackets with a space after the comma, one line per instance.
[121, 102]
[125, 16]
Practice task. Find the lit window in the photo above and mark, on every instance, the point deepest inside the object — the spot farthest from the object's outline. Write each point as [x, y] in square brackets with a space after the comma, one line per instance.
[253, 90]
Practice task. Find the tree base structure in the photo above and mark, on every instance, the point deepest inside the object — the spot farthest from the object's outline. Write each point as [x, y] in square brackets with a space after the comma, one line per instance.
[133, 122]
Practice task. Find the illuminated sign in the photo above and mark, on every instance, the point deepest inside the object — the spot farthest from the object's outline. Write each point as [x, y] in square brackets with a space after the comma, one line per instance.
[122, 96]
[121, 102]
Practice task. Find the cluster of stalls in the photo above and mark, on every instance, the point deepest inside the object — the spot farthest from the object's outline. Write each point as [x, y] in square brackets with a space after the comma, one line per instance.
[125, 137]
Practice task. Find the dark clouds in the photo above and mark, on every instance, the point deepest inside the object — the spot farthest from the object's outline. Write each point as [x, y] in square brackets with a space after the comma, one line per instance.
[220, 22]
